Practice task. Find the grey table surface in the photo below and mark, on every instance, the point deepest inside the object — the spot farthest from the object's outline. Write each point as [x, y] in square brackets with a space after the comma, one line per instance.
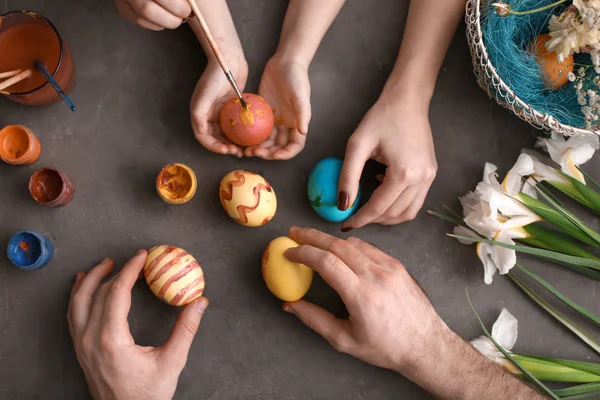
[133, 91]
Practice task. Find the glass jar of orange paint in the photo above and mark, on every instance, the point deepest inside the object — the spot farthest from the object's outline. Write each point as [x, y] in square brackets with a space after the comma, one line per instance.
[26, 37]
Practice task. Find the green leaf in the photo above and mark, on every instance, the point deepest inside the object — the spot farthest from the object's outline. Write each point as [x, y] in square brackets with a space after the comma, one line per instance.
[567, 323]
[554, 240]
[447, 218]
[579, 389]
[552, 255]
[571, 190]
[576, 229]
[506, 354]
[580, 309]
[589, 178]
[549, 371]
[589, 272]
[592, 368]
[591, 197]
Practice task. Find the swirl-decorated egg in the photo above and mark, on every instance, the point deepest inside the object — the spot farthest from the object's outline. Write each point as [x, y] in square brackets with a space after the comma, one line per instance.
[173, 275]
[247, 198]
[287, 280]
[323, 190]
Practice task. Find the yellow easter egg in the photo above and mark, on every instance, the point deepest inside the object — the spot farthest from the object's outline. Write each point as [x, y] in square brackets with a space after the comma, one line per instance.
[287, 280]
[173, 275]
[247, 198]
[176, 184]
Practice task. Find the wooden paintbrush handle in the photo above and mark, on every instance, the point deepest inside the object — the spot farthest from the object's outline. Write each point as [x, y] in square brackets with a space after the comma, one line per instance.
[15, 79]
[9, 74]
[209, 36]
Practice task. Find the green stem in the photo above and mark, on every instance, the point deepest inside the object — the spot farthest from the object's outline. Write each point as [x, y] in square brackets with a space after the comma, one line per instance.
[544, 8]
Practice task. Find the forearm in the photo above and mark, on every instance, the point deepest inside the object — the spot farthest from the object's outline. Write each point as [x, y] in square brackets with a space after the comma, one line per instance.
[305, 25]
[218, 18]
[429, 30]
[454, 370]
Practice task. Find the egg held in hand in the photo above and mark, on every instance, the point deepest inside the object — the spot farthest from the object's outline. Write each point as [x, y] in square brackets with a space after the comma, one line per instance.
[323, 190]
[173, 275]
[287, 280]
[248, 198]
[554, 74]
[247, 127]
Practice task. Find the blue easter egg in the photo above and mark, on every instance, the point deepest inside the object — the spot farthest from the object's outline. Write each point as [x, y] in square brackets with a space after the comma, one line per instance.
[29, 250]
[323, 190]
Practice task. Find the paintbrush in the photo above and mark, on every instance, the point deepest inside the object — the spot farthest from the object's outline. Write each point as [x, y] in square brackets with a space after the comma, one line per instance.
[215, 49]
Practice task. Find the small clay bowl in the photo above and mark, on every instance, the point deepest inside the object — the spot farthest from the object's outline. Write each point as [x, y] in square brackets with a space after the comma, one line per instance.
[176, 184]
[29, 250]
[18, 145]
[51, 187]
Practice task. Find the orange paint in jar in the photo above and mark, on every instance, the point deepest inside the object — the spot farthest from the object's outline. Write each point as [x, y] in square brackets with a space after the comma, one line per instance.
[18, 145]
[24, 38]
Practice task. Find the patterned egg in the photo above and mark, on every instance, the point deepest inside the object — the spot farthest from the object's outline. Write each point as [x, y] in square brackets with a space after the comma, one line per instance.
[287, 280]
[248, 198]
[173, 275]
[323, 190]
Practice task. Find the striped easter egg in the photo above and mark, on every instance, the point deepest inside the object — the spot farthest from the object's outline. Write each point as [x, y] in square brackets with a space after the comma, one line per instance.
[173, 275]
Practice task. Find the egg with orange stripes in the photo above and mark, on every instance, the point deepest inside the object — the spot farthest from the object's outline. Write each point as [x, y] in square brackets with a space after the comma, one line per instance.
[173, 275]
[248, 198]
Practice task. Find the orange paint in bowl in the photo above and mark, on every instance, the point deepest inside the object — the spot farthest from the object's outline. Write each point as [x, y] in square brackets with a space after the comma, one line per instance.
[18, 145]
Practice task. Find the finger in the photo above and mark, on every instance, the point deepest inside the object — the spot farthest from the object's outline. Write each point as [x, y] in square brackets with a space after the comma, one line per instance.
[178, 345]
[356, 156]
[334, 330]
[303, 112]
[118, 301]
[411, 212]
[81, 300]
[294, 146]
[78, 279]
[378, 204]
[348, 254]
[375, 254]
[129, 14]
[405, 199]
[156, 14]
[179, 8]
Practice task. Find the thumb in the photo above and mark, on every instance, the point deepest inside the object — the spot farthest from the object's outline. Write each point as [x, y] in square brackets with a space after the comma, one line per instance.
[303, 112]
[334, 330]
[358, 151]
[178, 345]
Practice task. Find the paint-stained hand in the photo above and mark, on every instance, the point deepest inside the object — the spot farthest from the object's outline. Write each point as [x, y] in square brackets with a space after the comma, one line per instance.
[114, 366]
[285, 86]
[212, 92]
[395, 134]
[392, 324]
[155, 15]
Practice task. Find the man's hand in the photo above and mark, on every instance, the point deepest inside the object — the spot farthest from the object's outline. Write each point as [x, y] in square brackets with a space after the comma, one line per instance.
[155, 15]
[114, 366]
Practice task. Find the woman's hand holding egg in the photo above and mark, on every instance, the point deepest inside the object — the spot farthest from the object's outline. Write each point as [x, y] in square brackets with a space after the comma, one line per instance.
[285, 86]
[392, 324]
[396, 133]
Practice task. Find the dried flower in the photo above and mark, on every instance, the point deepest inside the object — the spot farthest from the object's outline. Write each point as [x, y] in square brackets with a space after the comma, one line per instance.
[575, 29]
[571, 77]
[502, 9]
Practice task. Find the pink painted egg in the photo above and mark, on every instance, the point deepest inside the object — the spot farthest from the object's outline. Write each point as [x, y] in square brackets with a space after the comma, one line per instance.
[173, 275]
[248, 198]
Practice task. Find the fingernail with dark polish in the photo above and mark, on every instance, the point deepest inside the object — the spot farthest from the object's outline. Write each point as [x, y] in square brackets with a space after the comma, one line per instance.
[343, 200]
[346, 229]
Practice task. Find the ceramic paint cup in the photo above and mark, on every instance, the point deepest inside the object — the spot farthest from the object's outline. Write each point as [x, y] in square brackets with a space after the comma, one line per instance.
[29, 250]
[18, 145]
[176, 184]
[51, 187]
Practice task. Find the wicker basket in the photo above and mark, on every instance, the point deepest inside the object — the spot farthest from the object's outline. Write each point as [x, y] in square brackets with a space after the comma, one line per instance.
[488, 78]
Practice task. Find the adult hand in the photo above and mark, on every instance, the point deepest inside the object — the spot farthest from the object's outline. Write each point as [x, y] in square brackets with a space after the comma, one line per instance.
[155, 15]
[285, 86]
[395, 134]
[212, 92]
[114, 366]
[392, 324]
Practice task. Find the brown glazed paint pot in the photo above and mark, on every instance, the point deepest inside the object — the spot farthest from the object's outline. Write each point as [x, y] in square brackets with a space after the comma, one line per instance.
[51, 187]
[18, 145]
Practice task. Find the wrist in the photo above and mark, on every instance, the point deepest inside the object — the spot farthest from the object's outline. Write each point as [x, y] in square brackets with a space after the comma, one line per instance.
[285, 55]
[400, 93]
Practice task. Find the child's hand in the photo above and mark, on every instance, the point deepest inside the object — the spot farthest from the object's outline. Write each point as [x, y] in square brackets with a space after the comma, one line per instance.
[155, 15]
[285, 86]
[212, 92]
